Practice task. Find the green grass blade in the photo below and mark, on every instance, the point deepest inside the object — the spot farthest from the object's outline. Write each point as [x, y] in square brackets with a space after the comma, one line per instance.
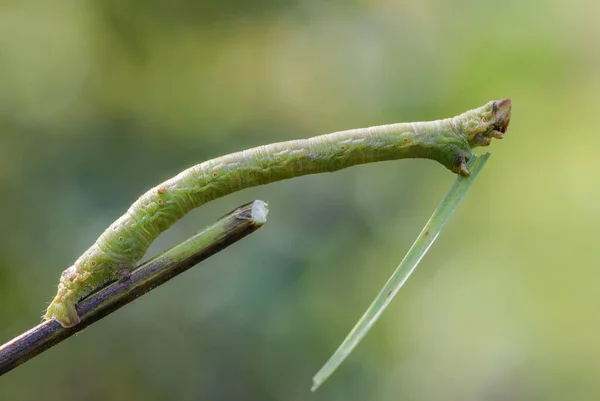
[419, 248]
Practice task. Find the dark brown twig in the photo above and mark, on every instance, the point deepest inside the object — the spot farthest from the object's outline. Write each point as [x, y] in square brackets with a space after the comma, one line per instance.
[227, 230]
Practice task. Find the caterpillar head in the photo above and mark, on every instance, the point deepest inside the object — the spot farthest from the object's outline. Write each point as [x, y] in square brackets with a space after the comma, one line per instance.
[480, 125]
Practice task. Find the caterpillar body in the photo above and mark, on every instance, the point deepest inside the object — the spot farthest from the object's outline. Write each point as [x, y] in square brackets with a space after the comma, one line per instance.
[122, 245]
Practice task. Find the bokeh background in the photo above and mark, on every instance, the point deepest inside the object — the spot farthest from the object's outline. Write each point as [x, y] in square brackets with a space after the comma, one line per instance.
[100, 100]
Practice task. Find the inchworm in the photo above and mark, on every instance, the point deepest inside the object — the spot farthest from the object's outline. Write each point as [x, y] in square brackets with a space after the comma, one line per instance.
[124, 243]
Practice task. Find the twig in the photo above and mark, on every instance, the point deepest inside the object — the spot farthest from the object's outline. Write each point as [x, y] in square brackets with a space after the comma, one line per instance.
[227, 230]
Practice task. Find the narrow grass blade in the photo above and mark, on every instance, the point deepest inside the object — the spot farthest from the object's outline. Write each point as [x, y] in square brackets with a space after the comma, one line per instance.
[420, 247]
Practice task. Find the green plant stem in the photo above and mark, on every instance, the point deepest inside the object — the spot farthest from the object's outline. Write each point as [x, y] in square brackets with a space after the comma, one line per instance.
[419, 248]
[158, 270]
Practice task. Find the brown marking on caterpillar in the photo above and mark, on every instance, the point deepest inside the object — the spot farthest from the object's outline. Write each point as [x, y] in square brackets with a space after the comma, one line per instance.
[484, 120]
[161, 190]
[93, 263]
[343, 147]
[160, 201]
[389, 293]
[121, 239]
[214, 174]
[405, 140]
[427, 233]
[278, 159]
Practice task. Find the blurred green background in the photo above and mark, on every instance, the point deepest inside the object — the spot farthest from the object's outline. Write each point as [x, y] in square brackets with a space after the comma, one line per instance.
[100, 100]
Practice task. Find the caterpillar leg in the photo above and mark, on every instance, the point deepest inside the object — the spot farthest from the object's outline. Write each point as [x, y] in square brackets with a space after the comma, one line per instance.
[123, 273]
[62, 308]
[63, 311]
[458, 163]
[75, 284]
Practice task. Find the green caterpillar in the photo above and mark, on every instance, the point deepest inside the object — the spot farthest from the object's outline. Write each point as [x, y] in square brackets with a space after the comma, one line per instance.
[124, 243]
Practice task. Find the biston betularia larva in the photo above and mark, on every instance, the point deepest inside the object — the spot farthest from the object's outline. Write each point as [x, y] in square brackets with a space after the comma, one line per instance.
[120, 248]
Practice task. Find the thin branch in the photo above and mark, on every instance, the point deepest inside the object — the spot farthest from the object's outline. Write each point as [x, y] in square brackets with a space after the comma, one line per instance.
[227, 230]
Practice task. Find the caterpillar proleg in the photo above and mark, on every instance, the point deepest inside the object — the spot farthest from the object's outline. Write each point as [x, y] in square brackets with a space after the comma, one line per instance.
[121, 246]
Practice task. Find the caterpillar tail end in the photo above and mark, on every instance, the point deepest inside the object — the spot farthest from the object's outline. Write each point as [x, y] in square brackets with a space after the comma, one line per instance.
[63, 312]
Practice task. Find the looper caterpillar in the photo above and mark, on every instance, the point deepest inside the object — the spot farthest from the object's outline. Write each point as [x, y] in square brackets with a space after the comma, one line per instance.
[119, 249]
